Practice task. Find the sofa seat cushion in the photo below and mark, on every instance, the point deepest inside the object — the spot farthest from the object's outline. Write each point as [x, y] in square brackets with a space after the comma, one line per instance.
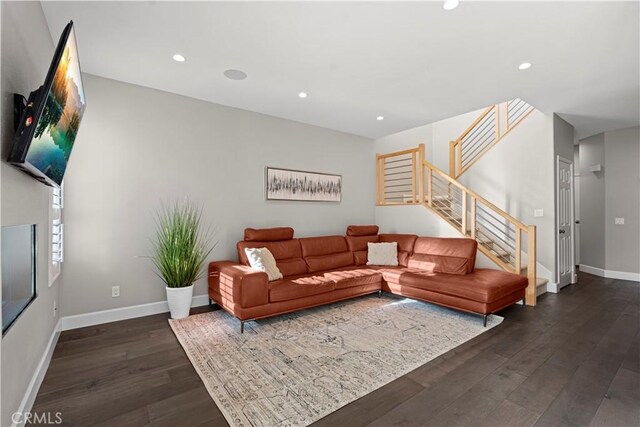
[483, 285]
[393, 274]
[356, 277]
[299, 287]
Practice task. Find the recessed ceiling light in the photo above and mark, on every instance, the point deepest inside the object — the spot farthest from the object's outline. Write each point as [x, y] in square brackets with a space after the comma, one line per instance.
[379, 118]
[235, 74]
[450, 4]
[524, 66]
[179, 58]
[302, 94]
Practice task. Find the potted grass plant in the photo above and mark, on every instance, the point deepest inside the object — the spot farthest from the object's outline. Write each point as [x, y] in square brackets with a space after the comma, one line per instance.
[180, 248]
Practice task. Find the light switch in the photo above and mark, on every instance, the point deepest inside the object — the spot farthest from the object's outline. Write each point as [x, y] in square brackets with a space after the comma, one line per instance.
[538, 213]
[619, 221]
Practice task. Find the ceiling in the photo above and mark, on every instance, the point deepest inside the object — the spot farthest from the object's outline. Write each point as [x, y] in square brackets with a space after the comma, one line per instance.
[411, 62]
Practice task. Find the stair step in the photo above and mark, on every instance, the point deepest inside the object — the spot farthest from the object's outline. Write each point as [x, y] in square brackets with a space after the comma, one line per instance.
[440, 198]
[500, 252]
[485, 241]
[541, 281]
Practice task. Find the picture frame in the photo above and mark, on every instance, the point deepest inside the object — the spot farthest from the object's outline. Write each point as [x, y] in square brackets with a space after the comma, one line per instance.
[305, 186]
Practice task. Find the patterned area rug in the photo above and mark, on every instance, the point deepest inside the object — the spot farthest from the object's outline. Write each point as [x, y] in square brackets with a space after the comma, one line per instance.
[294, 369]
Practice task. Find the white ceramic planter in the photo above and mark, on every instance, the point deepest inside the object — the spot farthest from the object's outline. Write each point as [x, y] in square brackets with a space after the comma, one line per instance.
[179, 300]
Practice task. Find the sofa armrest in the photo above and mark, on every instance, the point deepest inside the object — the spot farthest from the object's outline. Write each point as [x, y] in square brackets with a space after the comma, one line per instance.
[239, 284]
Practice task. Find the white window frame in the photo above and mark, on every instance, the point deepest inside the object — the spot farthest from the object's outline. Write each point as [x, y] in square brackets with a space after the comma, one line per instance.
[56, 234]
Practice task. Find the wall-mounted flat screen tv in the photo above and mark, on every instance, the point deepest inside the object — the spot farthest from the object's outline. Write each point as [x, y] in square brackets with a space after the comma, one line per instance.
[48, 121]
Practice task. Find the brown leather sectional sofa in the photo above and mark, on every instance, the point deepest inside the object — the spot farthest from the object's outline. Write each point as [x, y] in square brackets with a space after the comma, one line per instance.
[326, 269]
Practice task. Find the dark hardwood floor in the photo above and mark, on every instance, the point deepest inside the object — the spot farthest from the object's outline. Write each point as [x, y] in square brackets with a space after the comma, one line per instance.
[573, 360]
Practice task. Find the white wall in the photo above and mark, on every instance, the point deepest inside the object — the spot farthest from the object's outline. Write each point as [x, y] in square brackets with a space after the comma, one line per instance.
[517, 175]
[137, 147]
[27, 49]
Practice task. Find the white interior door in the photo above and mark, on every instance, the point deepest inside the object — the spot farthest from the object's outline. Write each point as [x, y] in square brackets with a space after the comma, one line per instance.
[565, 222]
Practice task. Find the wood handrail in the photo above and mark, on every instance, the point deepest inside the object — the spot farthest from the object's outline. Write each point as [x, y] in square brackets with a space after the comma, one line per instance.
[397, 153]
[476, 196]
[473, 125]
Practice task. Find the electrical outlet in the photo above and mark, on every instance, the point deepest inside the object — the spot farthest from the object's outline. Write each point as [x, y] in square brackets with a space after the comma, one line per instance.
[619, 221]
[538, 213]
[115, 291]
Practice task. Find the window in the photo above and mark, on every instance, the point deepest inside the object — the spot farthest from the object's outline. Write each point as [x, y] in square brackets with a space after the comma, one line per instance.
[57, 234]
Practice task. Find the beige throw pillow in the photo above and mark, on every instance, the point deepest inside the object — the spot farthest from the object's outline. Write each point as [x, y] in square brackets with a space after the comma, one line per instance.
[382, 253]
[262, 259]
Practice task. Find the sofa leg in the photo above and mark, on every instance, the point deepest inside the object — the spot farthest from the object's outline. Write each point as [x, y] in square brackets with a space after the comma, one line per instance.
[484, 320]
[379, 294]
[210, 302]
[242, 326]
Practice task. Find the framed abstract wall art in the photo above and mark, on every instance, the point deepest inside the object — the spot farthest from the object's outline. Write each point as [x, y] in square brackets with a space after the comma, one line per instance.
[287, 184]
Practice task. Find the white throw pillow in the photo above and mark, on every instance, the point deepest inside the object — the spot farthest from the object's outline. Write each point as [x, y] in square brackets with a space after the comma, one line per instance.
[382, 253]
[262, 259]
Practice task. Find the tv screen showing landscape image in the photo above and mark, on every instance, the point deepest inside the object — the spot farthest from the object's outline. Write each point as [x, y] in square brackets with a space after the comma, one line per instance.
[59, 121]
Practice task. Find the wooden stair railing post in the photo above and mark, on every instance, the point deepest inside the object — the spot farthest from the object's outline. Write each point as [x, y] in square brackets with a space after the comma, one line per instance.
[497, 120]
[518, 255]
[421, 173]
[380, 179]
[473, 217]
[429, 186]
[452, 159]
[506, 116]
[531, 294]
[414, 199]
[463, 220]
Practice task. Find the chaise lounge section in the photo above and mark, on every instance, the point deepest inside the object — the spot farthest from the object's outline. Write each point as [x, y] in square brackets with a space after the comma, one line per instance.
[326, 269]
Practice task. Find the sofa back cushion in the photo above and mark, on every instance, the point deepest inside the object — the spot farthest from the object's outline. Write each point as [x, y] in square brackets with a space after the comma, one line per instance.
[405, 245]
[287, 253]
[358, 245]
[325, 253]
[362, 230]
[444, 255]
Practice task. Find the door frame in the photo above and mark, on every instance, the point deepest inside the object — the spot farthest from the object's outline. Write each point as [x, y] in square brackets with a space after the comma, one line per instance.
[574, 276]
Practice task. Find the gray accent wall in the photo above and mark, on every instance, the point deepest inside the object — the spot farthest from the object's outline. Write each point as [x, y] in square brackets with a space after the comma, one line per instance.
[592, 202]
[622, 199]
[138, 147]
[27, 50]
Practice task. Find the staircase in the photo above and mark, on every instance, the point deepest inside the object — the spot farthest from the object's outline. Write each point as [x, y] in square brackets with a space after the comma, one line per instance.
[485, 132]
[406, 178]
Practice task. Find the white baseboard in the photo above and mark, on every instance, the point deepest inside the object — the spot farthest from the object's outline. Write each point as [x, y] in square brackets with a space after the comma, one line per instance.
[123, 313]
[610, 274]
[553, 287]
[36, 380]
